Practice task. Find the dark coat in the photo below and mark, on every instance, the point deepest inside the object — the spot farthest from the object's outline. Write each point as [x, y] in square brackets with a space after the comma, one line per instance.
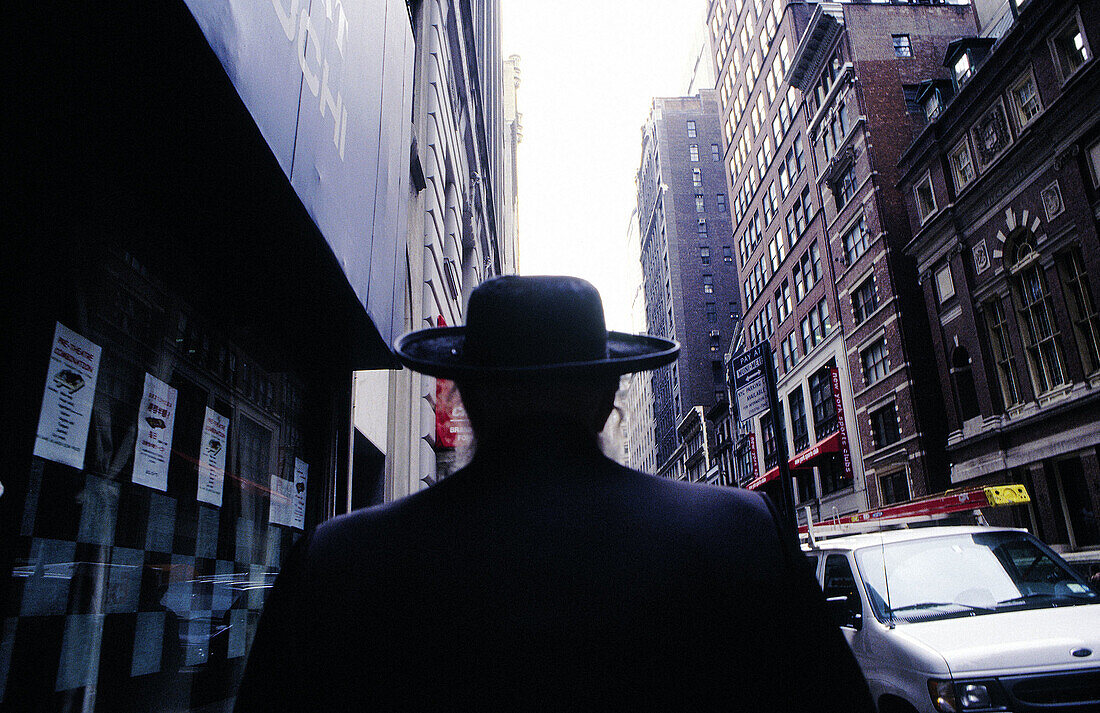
[548, 577]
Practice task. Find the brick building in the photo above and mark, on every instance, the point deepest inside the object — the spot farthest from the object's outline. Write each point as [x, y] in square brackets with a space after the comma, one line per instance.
[815, 116]
[688, 270]
[1002, 192]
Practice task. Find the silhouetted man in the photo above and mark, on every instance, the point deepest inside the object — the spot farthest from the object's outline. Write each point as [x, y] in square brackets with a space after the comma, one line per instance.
[543, 575]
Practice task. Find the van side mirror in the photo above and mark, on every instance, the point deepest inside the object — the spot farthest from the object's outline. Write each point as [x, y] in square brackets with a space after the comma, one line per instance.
[844, 611]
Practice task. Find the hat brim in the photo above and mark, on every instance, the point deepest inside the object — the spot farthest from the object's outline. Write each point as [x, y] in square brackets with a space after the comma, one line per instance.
[438, 352]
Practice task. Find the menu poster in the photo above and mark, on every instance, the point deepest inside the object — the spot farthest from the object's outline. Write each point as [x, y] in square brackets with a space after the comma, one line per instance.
[301, 475]
[154, 434]
[215, 432]
[66, 414]
[279, 512]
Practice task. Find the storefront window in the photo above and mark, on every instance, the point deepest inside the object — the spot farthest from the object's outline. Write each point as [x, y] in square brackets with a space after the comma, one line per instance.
[139, 576]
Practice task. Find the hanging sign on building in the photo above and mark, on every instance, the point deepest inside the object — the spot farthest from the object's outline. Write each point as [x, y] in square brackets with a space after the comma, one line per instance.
[842, 430]
[751, 385]
[752, 456]
[301, 476]
[215, 433]
[452, 427]
[156, 420]
[66, 413]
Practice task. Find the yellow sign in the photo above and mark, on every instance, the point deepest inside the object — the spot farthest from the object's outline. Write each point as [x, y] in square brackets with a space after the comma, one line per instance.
[1007, 495]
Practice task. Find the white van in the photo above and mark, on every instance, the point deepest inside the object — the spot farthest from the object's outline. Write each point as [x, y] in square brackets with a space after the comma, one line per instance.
[951, 619]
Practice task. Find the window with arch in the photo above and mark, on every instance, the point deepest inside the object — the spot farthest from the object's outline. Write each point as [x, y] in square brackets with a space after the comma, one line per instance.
[1031, 296]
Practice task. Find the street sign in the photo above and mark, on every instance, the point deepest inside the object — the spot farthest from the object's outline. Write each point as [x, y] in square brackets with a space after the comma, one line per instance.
[750, 382]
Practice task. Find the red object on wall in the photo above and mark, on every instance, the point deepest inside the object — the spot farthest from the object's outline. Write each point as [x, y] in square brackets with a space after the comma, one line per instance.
[451, 425]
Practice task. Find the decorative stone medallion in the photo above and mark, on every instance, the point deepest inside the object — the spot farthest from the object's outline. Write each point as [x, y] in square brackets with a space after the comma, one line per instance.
[981, 257]
[1052, 201]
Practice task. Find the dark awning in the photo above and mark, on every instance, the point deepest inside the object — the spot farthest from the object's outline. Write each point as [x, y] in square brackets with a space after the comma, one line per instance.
[129, 134]
[811, 456]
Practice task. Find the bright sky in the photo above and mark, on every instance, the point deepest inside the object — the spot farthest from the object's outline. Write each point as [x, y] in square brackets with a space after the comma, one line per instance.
[589, 71]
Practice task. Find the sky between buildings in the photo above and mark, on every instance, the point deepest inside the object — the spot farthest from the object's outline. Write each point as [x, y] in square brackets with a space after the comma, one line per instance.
[590, 69]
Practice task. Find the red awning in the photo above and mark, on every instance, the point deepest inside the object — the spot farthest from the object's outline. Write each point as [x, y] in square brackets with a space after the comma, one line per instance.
[758, 483]
[809, 457]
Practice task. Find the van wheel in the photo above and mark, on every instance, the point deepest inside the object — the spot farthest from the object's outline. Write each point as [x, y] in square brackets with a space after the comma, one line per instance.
[893, 704]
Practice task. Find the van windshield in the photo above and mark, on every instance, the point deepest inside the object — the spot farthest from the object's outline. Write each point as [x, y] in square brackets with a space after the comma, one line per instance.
[967, 575]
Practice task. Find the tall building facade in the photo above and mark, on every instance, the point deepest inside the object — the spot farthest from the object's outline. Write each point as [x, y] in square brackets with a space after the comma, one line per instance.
[814, 116]
[689, 276]
[1003, 192]
[637, 388]
[460, 213]
[513, 135]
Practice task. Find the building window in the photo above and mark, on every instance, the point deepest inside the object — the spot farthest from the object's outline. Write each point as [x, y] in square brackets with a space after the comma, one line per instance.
[715, 152]
[933, 104]
[696, 178]
[807, 271]
[963, 69]
[777, 251]
[1082, 307]
[833, 477]
[727, 254]
[767, 435]
[962, 378]
[783, 304]
[894, 487]
[875, 362]
[945, 286]
[997, 332]
[864, 300]
[1025, 100]
[804, 485]
[701, 227]
[1094, 163]
[962, 167]
[1070, 48]
[789, 349]
[845, 187]
[708, 284]
[704, 254]
[691, 129]
[902, 47]
[884, 426]
[836, 131]
[693, 152]
[699, 206]
[926, 198]
[1042, 340]
[911, 92]
[815, 326]
[715, 340]
[801, 213]
[711, 312]
[822, 403]
[815, 261]
[800, 433]
[855, 241]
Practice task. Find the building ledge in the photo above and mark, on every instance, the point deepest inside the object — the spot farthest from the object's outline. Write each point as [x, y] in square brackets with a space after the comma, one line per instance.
[825, 24]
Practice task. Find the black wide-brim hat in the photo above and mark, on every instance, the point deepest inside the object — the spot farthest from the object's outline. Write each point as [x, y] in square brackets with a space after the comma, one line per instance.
[528, 327]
